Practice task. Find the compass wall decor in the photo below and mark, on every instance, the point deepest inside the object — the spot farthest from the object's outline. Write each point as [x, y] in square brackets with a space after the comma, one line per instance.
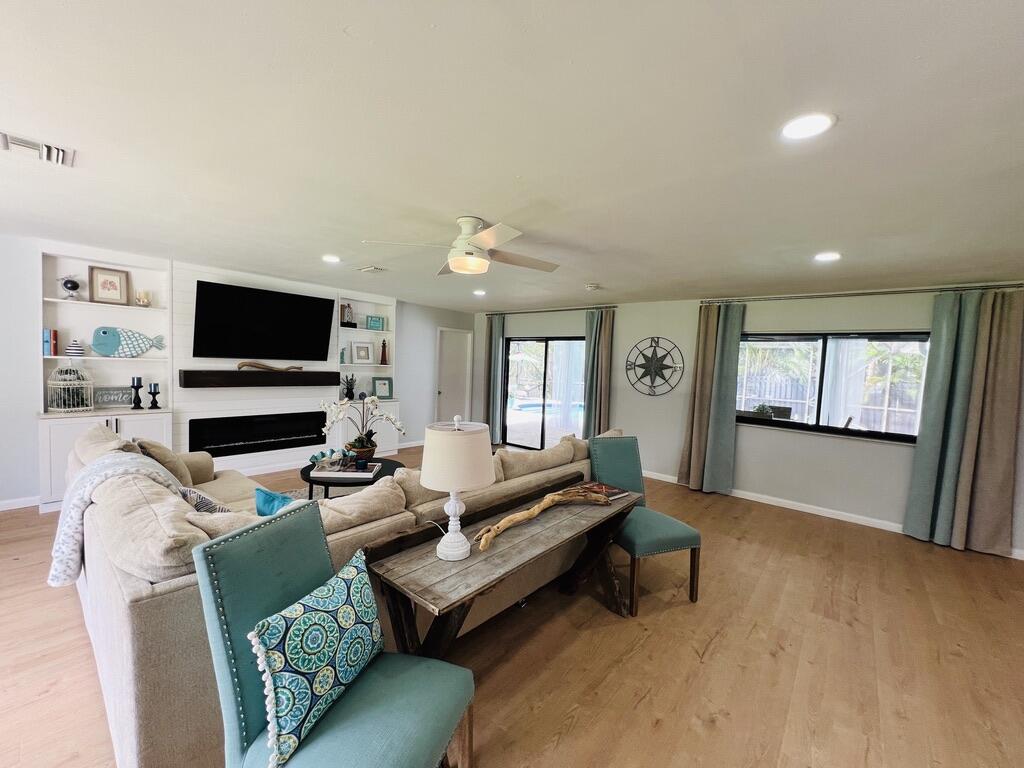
[654, 366]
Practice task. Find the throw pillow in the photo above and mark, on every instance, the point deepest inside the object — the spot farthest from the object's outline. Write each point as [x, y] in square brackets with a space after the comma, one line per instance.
[269, 503]
[580, 448]
[415, 493]
[382, 499]
[311, 651]
[167, 458]
[203, 503]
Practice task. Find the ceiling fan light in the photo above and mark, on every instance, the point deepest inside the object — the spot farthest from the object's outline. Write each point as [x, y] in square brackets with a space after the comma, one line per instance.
[468, 263]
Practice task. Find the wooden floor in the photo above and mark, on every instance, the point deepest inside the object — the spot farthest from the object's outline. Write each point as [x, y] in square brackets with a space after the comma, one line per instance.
[815, 643]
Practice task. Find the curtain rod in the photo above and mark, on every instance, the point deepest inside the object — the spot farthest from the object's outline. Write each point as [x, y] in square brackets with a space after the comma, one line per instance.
[559, 309]
[881, 292]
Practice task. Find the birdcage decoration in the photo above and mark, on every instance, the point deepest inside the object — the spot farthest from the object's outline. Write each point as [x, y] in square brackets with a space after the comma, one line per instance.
[69, 390]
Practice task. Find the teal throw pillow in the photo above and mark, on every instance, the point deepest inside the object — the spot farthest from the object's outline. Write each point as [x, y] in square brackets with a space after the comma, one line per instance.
[311, 651]
[269, 503]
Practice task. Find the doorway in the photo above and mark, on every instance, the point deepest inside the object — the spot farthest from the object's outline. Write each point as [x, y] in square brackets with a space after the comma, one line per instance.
[544, 390]
[454, 373]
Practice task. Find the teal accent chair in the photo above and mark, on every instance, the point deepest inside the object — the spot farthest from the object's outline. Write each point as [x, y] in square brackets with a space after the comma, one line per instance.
[401, 712]
[616, 461]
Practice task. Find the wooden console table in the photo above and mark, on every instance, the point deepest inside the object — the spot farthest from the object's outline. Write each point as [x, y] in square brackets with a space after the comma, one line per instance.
[410, 571]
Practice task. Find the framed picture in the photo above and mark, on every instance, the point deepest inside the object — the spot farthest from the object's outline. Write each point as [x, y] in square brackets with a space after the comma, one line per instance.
[375, 322]
[383, 387]
[108, 286]
[362, 353]
[112, 397]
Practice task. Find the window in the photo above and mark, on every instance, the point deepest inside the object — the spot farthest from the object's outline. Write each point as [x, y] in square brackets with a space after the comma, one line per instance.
[543, 390]
[860, 384]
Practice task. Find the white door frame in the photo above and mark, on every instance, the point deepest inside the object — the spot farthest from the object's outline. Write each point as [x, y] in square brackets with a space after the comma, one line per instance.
[469, 370]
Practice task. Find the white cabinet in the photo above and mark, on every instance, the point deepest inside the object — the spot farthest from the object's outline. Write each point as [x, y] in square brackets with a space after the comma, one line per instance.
[57, 437]
[386, 437]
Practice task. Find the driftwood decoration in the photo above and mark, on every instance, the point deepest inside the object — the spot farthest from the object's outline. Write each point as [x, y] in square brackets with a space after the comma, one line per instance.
[569, 496]
[264, 367]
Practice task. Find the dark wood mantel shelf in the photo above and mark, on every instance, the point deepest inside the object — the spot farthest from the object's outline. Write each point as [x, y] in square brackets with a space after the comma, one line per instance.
[192, 379]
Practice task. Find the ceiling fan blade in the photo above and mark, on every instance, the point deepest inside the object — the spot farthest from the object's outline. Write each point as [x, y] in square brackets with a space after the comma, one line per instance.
[410, 245]
[518, 260]
[445, 270]
[494, 237]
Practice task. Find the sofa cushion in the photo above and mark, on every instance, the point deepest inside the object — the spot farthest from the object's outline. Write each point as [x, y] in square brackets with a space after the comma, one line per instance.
[98, 440]
[518, 463]
[311, 651]
[145, 527]
[382, 499]
[166, 458]
[415, 494]
[221, 523]
[499, 492]
[233, 489]
[200, 466]
[581, 448]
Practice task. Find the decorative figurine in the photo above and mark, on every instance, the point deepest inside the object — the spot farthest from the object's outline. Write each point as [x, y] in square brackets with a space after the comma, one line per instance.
[74, 349]
[384, 352]
[154, 390]
[137, 400]
[142, 298]
[348, 383]
[70, 286]
[123, 342]
[348, 316]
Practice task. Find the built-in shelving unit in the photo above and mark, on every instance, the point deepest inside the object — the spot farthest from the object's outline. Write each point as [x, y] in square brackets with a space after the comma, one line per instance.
[361, 308]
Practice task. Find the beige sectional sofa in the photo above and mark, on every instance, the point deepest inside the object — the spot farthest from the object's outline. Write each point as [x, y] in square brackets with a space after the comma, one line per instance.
[141, 602]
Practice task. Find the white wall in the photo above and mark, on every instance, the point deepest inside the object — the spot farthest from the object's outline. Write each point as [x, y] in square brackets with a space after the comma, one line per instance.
[416, 363]
[20, 351]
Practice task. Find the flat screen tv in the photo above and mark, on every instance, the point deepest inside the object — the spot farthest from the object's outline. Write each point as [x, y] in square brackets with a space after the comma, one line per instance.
[243, 323]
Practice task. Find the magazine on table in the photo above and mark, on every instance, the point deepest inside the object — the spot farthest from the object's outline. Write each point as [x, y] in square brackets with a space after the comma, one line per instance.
[346, 474]
[611, 492]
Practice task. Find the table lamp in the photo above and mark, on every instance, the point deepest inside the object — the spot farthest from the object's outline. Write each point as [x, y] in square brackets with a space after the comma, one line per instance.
[456, 458]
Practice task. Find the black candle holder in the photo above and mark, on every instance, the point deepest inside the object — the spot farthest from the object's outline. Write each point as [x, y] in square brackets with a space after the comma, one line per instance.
[154, 390]
[137, 399]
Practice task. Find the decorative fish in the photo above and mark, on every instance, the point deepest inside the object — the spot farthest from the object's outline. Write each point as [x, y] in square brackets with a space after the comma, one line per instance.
[123, 342]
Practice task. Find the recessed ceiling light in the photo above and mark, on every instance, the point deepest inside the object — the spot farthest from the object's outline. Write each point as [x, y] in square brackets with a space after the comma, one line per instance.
[828, 256]
[808, 126]
[330, 258]
[479, 292]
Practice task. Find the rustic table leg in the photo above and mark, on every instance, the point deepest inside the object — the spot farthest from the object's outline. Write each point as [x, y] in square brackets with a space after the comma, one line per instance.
[443, 631]
[610, 582]
[598, 539]
[403, 619]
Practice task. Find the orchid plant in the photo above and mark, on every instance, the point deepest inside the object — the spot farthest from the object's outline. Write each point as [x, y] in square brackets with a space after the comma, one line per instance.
[363, 414]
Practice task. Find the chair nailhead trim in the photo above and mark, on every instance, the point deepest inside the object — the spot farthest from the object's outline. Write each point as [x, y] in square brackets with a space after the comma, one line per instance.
[215, 581]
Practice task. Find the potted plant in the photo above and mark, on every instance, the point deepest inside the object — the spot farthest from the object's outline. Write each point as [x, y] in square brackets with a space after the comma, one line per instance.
[363, 414]
[763, 411]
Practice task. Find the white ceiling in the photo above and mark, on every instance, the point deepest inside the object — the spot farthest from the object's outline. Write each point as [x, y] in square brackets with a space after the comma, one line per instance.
[634, 143]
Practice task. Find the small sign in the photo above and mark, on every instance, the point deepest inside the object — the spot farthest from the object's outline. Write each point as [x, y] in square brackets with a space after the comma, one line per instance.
[375, 322]
[112, 397]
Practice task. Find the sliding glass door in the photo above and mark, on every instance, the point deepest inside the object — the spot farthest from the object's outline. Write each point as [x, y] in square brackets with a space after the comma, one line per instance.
[543, 390]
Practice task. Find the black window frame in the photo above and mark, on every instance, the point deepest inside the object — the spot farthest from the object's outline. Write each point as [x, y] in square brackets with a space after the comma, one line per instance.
[818, 427]
[543, 386]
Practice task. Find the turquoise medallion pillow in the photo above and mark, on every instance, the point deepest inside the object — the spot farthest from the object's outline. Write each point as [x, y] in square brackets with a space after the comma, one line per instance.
[312, 650]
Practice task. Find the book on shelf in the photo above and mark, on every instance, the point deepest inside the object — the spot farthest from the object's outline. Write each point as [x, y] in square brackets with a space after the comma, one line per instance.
[50, 348]
[346, 474]
[611, 492]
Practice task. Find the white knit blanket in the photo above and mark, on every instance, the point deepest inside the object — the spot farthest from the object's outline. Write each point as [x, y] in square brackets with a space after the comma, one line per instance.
[69, 543]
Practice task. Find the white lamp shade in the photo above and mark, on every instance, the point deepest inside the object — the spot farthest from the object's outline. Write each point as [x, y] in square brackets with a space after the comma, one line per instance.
[457, 459]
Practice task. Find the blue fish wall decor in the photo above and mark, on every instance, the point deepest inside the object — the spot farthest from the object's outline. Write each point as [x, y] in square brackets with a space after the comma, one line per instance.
[123, 342]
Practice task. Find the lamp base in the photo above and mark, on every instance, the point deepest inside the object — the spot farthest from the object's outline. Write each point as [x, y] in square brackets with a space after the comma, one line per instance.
[454, 545]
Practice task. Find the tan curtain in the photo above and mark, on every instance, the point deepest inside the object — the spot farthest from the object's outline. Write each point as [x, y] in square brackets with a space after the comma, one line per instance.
[986, 486]
[597, 399]
[695, 438]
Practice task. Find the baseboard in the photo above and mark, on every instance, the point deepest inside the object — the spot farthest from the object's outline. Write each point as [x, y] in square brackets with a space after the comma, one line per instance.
[835, 514]
[25, 501]
[411, 444]
[663, 477]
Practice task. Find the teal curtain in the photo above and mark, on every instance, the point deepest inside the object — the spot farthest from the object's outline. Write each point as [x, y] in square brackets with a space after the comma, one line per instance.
[495, 373]
[598, 372]
[944, 409]
[721, 446]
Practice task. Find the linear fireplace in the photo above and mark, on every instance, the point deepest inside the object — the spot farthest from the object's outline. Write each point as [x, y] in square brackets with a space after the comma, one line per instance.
[231, 435]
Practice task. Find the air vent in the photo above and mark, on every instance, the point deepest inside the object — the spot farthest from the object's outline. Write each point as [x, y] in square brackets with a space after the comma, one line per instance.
[31, 148]
[371, 269]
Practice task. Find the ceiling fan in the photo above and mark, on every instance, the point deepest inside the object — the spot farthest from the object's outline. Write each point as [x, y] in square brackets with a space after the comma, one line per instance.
[475, 248]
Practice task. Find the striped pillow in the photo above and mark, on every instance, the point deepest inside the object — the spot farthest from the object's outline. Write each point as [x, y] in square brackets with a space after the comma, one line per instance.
[201, 502]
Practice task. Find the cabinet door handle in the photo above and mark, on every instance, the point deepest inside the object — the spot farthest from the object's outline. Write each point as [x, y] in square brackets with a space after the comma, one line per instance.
[117, 425]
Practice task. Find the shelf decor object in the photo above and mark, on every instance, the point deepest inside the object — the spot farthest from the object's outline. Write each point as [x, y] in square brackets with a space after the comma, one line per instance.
[112, 397]
[137, 399]
[375, 322]
[384, 352]
[154, 390]
[70, 286]
[108, 286]
[109, 341]
[362, 353]
[69, 389]
[363, 414]
[74, 349]
[348, 316]
[456, 459]
[383, 387]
